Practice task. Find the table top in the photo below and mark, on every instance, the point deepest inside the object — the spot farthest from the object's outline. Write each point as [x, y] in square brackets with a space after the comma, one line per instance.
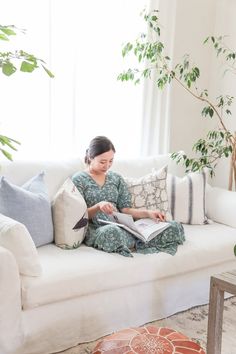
[226, 281]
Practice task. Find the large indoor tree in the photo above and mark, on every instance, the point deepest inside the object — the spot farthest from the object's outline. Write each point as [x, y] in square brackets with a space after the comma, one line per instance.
[149, 51]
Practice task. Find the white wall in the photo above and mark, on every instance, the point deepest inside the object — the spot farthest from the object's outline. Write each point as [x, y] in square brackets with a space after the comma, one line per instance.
[220, 83]
[193, 25]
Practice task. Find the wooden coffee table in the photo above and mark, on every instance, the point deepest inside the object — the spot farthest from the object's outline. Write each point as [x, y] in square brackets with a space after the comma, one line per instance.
[225, 282]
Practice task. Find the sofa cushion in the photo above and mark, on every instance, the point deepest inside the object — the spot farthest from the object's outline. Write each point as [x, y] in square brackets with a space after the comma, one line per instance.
[218, 199]
[30, 206]
[70, 217]
[150, 191]
[86, 270]
[15, 237]
[56, 171]
[187, 197]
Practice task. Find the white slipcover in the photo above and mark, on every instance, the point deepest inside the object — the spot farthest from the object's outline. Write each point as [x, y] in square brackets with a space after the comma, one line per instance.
[83, 294]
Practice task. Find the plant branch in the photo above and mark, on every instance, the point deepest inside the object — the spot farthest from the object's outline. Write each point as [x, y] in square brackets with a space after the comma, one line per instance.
[233, 139]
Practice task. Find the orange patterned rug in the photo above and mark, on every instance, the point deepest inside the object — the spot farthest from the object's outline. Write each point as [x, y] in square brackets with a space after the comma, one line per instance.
[192, 323]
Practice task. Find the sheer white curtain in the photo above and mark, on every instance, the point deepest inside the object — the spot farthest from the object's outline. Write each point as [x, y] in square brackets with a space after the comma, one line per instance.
[91, 39]
[81, 43]
[156, 120]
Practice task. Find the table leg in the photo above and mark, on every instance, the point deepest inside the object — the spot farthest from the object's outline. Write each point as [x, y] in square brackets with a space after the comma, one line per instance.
[215, 318]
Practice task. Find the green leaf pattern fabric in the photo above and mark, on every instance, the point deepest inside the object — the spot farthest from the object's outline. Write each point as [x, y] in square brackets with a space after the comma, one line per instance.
[111, 238]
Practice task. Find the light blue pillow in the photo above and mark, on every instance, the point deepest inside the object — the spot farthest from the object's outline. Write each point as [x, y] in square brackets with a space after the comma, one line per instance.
[30, 206]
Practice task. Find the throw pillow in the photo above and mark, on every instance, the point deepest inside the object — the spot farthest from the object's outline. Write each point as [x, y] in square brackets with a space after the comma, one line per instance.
[70, 216]
[187, 198]
[30, 206]
[149, 191]
[15, 237]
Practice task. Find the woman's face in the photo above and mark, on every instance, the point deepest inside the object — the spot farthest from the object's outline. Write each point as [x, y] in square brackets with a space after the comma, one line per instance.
[101, 163]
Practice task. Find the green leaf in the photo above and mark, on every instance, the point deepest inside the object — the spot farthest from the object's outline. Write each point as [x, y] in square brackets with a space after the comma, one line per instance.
[3, 37]
[27, 67]
[187, 162]
[196, 71]
[7, 30]
[6, 140]
[235, 250]
[211, 112]
[50, 74]
[154, 18]
[8, 68]
[7, 154]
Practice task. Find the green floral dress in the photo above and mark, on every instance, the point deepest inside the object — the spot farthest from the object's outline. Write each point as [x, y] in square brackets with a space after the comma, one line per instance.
[112, 238]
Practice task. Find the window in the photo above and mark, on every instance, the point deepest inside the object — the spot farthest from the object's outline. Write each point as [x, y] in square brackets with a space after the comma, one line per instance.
[81, 43]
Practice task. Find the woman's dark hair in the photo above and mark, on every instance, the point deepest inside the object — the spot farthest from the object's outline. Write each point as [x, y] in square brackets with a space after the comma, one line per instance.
[98, 146]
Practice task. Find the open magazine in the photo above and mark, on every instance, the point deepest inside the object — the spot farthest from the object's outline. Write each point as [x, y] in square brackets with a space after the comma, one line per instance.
[144, 229]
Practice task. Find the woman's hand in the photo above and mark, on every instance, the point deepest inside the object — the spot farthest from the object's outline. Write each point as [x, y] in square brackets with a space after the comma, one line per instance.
[106, 207]
[156, 215]
[144, 213]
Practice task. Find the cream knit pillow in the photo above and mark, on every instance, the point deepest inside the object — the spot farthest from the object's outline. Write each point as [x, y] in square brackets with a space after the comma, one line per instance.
[70, 217]
[15, 237]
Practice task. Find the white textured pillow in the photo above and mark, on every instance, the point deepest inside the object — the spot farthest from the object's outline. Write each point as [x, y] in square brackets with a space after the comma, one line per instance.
[187, 198]
[15, 237]
[70, 217]
[149, 191]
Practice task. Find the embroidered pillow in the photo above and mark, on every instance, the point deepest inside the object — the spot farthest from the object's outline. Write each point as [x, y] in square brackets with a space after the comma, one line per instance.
[149, 191]
[70, 216]
[15, 237]
[187, 198]
[30, 206]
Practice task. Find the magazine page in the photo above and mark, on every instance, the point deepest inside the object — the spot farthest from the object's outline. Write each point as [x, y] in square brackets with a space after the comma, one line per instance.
[150, 228]
[125, 219]
[145, 229]
[135, 233]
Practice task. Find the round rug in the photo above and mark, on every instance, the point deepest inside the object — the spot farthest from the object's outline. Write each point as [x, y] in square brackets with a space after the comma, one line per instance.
[147, 340]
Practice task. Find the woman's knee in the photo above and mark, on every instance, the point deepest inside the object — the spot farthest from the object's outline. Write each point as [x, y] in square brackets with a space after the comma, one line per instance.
[107, 238]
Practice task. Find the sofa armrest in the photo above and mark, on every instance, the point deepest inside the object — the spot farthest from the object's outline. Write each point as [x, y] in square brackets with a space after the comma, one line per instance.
[10, 303]
[221, 205]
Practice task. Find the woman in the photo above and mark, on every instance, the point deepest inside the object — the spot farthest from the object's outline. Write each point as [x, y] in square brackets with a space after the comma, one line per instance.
[106, 191]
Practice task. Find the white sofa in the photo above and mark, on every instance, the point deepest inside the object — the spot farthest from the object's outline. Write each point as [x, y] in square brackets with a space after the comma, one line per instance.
[84, 293]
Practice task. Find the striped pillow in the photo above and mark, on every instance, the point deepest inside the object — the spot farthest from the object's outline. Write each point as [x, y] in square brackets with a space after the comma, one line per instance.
[187, 197]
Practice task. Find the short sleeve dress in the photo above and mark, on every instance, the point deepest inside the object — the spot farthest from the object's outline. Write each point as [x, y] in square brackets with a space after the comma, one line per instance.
[111, 238]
